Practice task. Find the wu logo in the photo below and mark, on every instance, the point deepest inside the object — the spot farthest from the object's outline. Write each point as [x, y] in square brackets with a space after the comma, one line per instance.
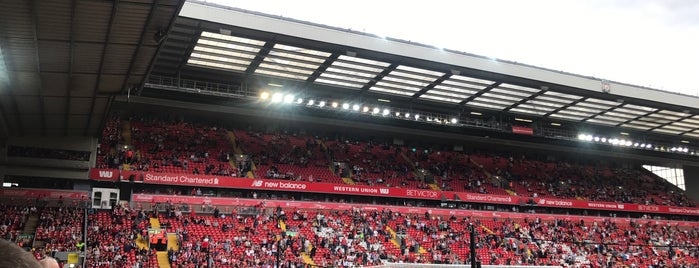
[383, 190]
[105, 174]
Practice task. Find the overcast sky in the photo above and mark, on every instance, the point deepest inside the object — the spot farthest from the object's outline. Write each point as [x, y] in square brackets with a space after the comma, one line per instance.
[647, 43]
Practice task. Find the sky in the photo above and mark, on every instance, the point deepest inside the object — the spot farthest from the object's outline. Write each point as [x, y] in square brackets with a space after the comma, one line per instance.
[651, 43]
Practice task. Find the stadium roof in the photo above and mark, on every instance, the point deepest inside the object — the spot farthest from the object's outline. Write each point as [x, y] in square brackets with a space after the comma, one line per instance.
[67, 59]
[206, 39]
[64, 60]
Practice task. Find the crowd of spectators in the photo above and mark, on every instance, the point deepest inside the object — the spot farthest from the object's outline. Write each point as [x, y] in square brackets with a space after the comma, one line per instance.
[61, 229]
[112, 237]
[182, 147]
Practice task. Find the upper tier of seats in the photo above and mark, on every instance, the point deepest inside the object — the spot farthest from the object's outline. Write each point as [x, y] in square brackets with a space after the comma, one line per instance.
[178, 147]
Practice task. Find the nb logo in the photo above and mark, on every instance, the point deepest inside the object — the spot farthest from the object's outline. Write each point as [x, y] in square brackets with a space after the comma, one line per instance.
[542, 201]
[257, 183]
[105, 174]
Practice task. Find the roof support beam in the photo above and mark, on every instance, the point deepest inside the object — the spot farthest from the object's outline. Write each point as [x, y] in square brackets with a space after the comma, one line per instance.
[479, 93]
[565, 106]
[669, 123]
[264, 51]
[430, 86]
[602, 112]
[107, 39]
[321, 69]
[70, 67]
[160, 46]
[129, 72]
[636, 118]
[531, 97]
[35, 33]
[378, 77]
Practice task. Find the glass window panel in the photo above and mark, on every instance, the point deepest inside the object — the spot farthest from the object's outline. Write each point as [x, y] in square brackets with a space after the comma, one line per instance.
[357, 68]
[280, 61]
[527, 111]
[631, 111]
[673, 113]
[420, 84]
[680, 128]
[427, 73]
[337, 71]
[391, 91]
[558, 95]
[602, 122]
[449, 94]
[521, 88]
[487, 105]
[322, 54]
[671, 175]
[345, 78]
[281, 74]
[462, 79]
[492, 100]
[285, 68]
[455, 89]
[338, 83]
[653, 120]
[566, 116]
[544, 104]
[619, 115]
[599, 107]
[636, 126]
[552, 100]
[364, 61]
[439, 98]
[576, 113]
[398, 86]
[692, 134]
[505, 97]
[668, 131]
[611, 118]
[204, 57]
[640, 108]
[685, 125]
[216, 65]
[226, 52]
[511, 92]
[536, 107]
[608, 103]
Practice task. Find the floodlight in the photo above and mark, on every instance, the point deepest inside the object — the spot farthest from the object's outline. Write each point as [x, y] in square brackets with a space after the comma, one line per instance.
[334, 104]
[277, 97]
[375, 110]
[454, 120]
[386, 111]
[581, 137]
[311, 102]
[365, 109]
[597, 138]
[407, 115]
[397, 114]
[321, 104]
[417, 116]
[345, 106]
[355, 107]
[628, 143]
[299, 100]
[603, 139]
[264, 95]
[289, 98]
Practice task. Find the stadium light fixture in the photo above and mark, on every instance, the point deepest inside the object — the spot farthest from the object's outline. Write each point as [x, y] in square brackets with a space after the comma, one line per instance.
[603, 139]
[386, 112]
[454, 120]
[476, 113]
[321, 104]
[311, 102]
[299, 100]
[289, 98]
[277, 97]
[355, 107]
[365, 109]
[397, 114]
[417, 116]
[264, 95]
[407, 115]
[684, 141]
[375, 110]
[624, 133]
[556, 124]
[345, 106]
[334, 104]
[597, 139]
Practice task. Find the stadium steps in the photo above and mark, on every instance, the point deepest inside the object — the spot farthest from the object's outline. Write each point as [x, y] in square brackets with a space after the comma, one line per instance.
[141, 242]
[579, 198]
[510, 192]
[307, 259]
[348, 181]
[31, 224]
[485, 171]
[393, 236]
[282, 225]
[154, 223]
[434, 186]
[172, 242]
[232, 139]
[163, 262]
[126, 131]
